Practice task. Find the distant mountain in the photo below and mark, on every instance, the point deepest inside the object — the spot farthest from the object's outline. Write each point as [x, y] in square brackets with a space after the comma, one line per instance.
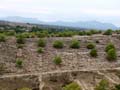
[87, 24]
[80, 24]
[20, 19]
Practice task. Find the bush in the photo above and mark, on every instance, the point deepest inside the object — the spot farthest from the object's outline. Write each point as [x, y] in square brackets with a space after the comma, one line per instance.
[93, 53]
[2, 38]
[41, 43]
[2, 68]
[10, 33]
[57, 60]
[75, 44]
[42, 34]
[103, 85]
[108, 32]
[109, 46]
[40, 50]
[19, 63]
[88, 33]
[97, 41]
[90, 45]
[72, 86]
[20, 39]
[58, 44]
[111, 55]
[25, 89]
[117, 87]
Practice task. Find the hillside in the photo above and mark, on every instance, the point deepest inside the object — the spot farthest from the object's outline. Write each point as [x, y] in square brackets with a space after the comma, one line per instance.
[38, 71]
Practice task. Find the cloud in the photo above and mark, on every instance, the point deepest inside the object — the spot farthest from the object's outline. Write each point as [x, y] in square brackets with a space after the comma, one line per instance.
[73, 10]
[101, 12]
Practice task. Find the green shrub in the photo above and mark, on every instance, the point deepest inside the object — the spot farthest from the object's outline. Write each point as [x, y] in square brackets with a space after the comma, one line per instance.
[57, 60]
[2, 38]
[90, 45]
[93, 53]
[88, 33]
[58, 44]
[19, 63]
[25, 35]
[97, 41]
[117, 87]
[111, 55]
[42, 34]
[75, 44]
[40, 50]
[72, 86]
[41, 43]
[2, 68]
[109, 46]
[20, 39]
[10, 33]
[103, 85]
[108, 32]
[25, 89]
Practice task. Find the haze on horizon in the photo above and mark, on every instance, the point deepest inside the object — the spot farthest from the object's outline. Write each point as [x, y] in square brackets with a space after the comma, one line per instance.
[63, 10]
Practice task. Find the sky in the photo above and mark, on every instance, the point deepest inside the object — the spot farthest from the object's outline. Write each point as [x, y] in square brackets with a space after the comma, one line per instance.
[63, 10]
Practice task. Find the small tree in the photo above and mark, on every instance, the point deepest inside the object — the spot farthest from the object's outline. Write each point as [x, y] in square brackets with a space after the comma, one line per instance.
[109, 46]
[41, 43]
[40, 50]
[111, 55]
[19, 63]
[93, 53]
[2, 38]
[108, 32]
[75, 44]
[90, 45]
[103, 85]
[2, 68]
[57, 60]
[72, 86]
[58, 44]
[20, 39]
[117, 87]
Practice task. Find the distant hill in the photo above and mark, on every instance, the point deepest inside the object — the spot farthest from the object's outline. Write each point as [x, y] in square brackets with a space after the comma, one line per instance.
[80, 24]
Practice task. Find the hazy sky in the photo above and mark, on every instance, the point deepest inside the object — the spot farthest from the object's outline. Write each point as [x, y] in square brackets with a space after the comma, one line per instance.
[63, 10]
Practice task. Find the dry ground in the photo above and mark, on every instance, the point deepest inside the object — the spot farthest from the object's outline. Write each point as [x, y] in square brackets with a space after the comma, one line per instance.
[40, 73]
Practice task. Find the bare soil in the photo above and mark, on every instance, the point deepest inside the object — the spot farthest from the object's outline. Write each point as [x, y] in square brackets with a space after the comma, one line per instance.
[40, 73]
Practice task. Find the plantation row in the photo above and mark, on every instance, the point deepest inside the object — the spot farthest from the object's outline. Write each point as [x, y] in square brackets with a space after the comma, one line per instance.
[75, 44]
[58, 44]
[63, 33]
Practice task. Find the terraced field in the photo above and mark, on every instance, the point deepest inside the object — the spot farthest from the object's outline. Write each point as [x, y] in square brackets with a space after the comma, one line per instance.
[39, 72]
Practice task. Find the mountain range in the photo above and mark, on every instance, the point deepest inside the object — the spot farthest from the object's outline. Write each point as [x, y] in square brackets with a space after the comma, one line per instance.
[79, 24]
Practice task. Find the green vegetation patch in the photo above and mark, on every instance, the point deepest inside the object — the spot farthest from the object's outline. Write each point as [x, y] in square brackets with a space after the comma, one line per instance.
[90, 46]
[41, 42]
[112, 55]
[40, 50]
[24, 88]
[103, 85]
[19, 63]
[58, 44]
[57, 60]
[109, 46]
[72, 86]
[2, 38]
[75, 44]
[93, 53]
